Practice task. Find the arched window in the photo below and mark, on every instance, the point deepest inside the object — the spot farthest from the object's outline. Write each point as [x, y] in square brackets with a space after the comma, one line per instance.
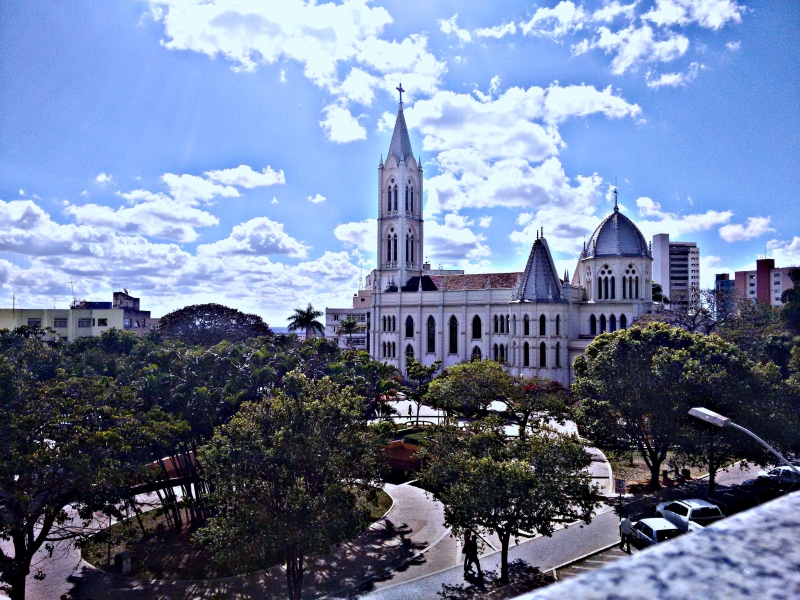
[605, 288]
[624, 288]
[630, 288]
[613, 288]
[502, 324]
[623, 322]
[389, 199]
[542, 325]
[395, 197]
[542, 355]
[406, 198]
[476, 353]
[558, 324]
[412, 199]
[409, 351]
[526, 355]
[599, 288]
[558, 354]
[389, 249]
[394, 247]
[593, 325]
[453, 349]
[612, 323]
[496, 328]
[602, 323]
[526, 325]
[502, 353]
[494, 352]
[384, 350]
[514, 325]
[636, 289]
[394, 350]
[476, 328]
[412, 249]
[409, 327]
[408, 250]
[384, 324]
[508, 324]
[431, 335]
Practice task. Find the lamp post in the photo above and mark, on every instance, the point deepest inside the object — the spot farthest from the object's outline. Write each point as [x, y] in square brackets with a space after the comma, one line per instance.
[718, 420]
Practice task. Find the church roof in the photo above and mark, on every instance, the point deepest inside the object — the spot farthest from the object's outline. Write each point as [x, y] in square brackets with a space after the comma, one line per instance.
[401, 143]
[617, 236]
[540, 283]
[476, 281]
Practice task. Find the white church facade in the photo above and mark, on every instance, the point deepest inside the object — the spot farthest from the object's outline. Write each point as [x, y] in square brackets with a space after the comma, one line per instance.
[532, 321]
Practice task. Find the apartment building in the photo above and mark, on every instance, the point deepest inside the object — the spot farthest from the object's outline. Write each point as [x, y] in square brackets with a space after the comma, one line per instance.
[676, 266]
[362, 302]
[765, 284]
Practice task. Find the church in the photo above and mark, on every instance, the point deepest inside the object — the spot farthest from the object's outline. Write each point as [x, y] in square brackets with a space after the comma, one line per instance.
[532, 321]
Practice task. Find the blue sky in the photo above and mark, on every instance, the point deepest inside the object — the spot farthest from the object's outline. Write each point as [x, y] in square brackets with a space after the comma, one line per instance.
[226, 151]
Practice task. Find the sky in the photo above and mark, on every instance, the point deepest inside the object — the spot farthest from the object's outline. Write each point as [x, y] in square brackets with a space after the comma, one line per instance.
[227, 150]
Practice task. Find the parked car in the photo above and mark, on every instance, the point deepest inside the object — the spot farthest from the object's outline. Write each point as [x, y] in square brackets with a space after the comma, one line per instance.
[784, 476]
[649, 532]
[687, 515]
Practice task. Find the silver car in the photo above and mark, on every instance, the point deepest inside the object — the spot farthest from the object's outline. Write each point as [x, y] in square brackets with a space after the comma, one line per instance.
[783, 476]
[649, 532]
[689, 515]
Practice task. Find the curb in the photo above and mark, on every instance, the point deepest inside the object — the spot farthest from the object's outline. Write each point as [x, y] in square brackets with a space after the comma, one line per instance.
[579, 559]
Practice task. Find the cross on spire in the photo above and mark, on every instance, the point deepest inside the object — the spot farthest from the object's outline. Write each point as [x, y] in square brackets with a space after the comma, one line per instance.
[616, 205]
[400, 89]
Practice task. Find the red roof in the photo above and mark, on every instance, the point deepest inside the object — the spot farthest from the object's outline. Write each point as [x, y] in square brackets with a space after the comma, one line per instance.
[479, 281]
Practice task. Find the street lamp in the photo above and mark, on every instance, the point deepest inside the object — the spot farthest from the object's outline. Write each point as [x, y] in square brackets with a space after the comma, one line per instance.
[718, 420]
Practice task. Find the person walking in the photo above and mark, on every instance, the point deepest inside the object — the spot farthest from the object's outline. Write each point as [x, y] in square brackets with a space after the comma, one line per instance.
[470, 553]
[625, 532]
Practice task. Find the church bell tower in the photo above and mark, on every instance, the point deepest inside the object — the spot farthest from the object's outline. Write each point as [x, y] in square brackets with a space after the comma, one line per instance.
[399, 210]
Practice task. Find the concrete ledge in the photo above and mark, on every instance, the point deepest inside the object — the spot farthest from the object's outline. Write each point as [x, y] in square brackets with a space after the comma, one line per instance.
[755, 554]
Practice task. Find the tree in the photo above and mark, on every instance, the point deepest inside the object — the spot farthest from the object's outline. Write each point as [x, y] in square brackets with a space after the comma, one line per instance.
[67, 442]
[658, 294]
[470, 388]
[790, 314]
[625, 391]
[290, 476]
[536, 398]
[700, 311]
[210, 324]
[348, 327]
[514, 488]
[306, 320]
[420, 377]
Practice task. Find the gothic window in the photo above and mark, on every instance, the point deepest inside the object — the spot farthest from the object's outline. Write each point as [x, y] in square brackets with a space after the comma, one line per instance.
[412, 249]
[623, 322]
[384, 324]
[389, 249]
[476, 353]
[453, 349]
[496, 328]
[605, 288]
[542, 325]
[612, 323]
[476, 328]
[394, 324]
[409, 327]
[558, 354]
[593, 325]
[394, 350]
[526, 355]
[526, 325]
[602, 323]
[613, 288]
[431, 335]
[542, 355]
[502, 324]
[630, 288]
[406, 198]
[384, 350]
[494, 353]
[395, 197]
[514, 325]
[412, 199]
[558, 324]
[636, 289]
[394, 247]
[409, 351]
[408, 253]
[502, 353]
[389, 199]
[599, 288]
[508, 324]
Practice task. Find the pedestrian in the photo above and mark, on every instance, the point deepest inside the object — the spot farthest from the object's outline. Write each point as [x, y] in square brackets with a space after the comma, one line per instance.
[625, 532]
[409, 410]
[470, 553]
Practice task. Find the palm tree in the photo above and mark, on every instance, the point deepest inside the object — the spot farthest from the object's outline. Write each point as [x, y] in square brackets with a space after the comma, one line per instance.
[348, 327]
[306, 319]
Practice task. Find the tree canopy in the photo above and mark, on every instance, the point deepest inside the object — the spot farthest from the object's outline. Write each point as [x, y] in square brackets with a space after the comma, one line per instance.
[210, 324]
[307, 320]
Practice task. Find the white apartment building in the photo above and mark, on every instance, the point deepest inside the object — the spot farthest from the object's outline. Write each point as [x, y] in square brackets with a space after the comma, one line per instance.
[676, 266]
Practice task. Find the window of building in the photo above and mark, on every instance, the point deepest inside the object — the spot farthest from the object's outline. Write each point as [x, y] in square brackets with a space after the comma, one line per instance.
[494, 352]
[136, 324]
[431, 335]
[558, 354]
[496, 327]
[612, 323]
[593, 325]
[125, 323]
[34, 322]
[602, 323]
[623, 322]
[526, 325]
[453, 337]
[558, 324]
[542, 325]
[409, 327]
[542, 355]
[526, 355]
[476, 353]
[88, 322]
[409, 351]
[59, 323]
[476, 328]
[335, 317]
[502, 353]
[102, 322]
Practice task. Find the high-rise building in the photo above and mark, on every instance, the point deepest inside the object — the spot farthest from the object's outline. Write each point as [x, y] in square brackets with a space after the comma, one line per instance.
[676, 266]
[765, 284]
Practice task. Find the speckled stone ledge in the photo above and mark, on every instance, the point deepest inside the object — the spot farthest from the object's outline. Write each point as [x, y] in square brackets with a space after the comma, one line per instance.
[755, 554]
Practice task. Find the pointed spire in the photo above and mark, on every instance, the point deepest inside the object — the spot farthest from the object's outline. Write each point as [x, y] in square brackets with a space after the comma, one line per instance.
[616, 204]
[540, 282]
[381, 164]
[401, 143]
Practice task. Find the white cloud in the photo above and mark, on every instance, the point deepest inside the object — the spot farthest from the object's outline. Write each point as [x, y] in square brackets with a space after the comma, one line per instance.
[191, 189]
[710, 14]
[633, 46]
[244, 176]
[676, 225]
[498, 31]
[448, 26]
[453, 242]
[258, 237]
[274, 200]
[316, 199]
[733, 46]
[556, 22]
[22, 192]
[485, 221]
[675, 79]
[756, 226]
[103, 178]
[614, 9]
[562, 103]
[361, 234]
[340, 126]
[786, 253]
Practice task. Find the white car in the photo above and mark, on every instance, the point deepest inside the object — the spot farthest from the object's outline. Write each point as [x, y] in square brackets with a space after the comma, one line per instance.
[784, 475]
[689, 515]
[649, 532]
